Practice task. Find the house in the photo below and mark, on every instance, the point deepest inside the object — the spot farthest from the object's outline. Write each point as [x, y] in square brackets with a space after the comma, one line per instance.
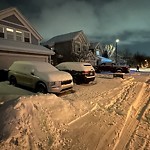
[97, 50]
[72, 46]
[19, 40]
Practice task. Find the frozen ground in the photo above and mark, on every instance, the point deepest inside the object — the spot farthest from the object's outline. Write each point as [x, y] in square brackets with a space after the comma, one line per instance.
[110, 113]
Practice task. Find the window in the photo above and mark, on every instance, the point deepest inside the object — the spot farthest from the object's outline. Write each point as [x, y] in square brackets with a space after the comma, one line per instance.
[26, 37]
[14, 34]
[77, 47]
[1, 32]
[18, 35]
[10, 33]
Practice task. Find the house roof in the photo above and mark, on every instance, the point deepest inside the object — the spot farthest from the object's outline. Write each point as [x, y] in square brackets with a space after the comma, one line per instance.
[16, 46]
[63, 38]
[14, 11]
[93, 45]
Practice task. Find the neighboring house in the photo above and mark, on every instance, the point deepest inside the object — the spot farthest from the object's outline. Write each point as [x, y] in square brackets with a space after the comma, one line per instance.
[19, 40]
[97, 49]
[72, 46]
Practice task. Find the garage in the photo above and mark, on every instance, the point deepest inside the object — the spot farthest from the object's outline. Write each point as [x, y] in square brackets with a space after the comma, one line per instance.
[11, 51]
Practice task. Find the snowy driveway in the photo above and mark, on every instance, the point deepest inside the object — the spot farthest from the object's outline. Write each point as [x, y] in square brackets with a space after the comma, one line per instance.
[10, 92]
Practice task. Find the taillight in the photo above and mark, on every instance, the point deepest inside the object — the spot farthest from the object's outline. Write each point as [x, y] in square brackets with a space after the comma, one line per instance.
[85, 72]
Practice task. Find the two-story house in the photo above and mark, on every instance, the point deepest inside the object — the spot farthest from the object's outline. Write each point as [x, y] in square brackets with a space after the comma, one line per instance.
[19, 40]
[72, 46]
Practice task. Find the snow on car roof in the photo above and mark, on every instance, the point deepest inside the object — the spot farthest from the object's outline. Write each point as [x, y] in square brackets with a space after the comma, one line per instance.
[79, 66]
[40, 66]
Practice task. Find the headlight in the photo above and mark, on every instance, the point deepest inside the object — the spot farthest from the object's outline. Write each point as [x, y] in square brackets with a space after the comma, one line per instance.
[52, 83]
[56, 83]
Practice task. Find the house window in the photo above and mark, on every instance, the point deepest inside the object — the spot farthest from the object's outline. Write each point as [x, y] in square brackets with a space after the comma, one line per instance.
[1, 32]
[18, 35]
[10, 33]
[77, 47]
[26, 37]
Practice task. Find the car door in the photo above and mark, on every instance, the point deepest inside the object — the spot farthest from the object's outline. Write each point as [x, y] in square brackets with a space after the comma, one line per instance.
[26, 77]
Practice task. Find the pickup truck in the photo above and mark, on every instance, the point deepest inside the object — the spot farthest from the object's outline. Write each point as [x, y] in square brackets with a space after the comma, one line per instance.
[112, 67]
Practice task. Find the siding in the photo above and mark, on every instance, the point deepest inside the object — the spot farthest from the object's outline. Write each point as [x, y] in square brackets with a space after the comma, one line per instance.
[34, 40]
[65, 49]
[13, 19]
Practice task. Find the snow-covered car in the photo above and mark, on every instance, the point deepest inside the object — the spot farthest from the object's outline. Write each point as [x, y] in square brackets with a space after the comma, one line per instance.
[41, 76]
[81, 72]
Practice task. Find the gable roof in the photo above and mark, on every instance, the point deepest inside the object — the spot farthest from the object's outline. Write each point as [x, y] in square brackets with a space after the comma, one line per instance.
[93, 45]
[14, 11]
[63, 38]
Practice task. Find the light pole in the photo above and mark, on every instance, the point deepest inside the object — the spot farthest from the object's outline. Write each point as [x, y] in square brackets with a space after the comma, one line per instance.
[117, 40]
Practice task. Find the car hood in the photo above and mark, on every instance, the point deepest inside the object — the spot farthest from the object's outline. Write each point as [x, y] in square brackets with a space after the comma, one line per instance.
[56, 76]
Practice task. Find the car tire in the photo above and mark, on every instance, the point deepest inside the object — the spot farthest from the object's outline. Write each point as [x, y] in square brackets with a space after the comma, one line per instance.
[41, 88]
[13, 81]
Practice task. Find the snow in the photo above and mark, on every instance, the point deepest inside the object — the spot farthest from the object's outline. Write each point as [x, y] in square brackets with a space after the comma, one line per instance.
[95, 116]
[77, 66]
[11, 45]
[43, 70]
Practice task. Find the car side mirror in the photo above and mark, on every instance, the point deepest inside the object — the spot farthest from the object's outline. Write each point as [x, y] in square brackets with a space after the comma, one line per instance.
[32, 71]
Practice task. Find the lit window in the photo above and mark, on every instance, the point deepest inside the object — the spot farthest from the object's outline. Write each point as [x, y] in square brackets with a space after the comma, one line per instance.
[1, 32]
[26, 37]
[9, 30]
[10, 33]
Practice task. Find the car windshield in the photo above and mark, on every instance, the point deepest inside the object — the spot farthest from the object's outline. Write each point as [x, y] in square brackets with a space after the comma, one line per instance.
[45, 67]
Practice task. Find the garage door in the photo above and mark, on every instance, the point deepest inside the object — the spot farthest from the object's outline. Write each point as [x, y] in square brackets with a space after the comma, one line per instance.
[7, 59]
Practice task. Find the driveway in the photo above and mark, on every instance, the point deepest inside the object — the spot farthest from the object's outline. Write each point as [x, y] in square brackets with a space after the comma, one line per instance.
[10, 92]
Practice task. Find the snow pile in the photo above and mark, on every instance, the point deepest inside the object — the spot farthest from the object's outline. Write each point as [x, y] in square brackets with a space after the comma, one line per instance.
[38, 121]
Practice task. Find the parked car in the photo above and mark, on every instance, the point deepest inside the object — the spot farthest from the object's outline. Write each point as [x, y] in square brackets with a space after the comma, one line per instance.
[41, 76]
[81, 72]
[112, 67]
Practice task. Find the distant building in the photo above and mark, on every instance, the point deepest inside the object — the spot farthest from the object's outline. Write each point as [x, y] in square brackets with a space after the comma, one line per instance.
[72, 46]
[19, 40]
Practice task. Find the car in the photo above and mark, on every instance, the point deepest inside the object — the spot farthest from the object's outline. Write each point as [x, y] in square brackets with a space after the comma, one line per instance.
[112, 67]
[81, 72]
[40, 76]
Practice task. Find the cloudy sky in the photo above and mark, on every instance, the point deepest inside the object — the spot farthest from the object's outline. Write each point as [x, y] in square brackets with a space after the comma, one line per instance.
[101, 20]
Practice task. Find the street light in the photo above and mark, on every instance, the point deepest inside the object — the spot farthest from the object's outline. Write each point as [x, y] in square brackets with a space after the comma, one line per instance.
[117, 40]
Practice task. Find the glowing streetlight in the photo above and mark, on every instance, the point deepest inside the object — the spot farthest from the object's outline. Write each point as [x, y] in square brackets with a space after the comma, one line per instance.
[117, 40]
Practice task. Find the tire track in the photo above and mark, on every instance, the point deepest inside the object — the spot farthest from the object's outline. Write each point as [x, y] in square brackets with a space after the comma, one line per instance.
[131, 121]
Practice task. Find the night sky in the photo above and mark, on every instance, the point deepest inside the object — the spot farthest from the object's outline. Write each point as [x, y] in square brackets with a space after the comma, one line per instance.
[101, 20]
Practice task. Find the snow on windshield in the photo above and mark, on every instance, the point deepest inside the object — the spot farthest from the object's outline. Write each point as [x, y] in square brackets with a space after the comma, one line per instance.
[45, 67]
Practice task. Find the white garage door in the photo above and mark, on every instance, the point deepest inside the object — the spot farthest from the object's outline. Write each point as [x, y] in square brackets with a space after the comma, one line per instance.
[7, 59]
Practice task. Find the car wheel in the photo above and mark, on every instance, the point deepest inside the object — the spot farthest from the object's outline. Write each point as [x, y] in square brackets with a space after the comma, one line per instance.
[41, 88]
[13, 81]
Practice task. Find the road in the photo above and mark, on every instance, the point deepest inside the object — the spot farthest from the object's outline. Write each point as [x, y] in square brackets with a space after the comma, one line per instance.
[117, 124]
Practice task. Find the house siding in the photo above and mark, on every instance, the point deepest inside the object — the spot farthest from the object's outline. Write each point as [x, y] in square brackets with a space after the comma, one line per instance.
[64, 49]
[12, 49]
[13, 25]
[34, 40]
[13, 19]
